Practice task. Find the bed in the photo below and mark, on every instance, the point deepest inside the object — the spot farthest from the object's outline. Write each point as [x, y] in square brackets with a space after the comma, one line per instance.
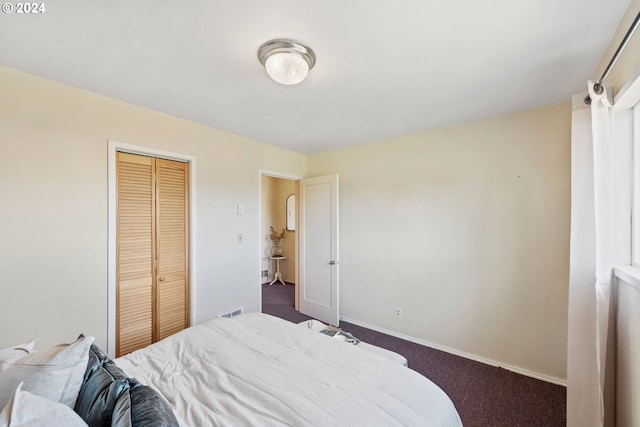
[259, 370]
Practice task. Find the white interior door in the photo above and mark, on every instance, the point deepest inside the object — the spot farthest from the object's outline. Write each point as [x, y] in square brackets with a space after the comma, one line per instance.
[318, 234]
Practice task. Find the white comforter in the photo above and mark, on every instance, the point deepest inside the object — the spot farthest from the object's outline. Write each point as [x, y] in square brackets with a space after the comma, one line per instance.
[259, 370]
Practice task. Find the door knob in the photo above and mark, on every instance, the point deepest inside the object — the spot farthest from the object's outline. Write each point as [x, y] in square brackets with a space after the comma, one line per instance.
[332, 263]
[161, 279]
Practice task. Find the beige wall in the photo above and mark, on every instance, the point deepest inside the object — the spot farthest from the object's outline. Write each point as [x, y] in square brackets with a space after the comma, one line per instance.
[53, 215]
[466, 229]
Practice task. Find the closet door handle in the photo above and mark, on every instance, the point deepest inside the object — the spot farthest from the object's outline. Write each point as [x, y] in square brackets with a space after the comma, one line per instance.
[161, 279]
[332, 263]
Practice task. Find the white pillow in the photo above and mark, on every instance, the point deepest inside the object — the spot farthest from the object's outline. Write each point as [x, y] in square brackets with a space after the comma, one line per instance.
[28, 410]
[9, 356]
[55, 374]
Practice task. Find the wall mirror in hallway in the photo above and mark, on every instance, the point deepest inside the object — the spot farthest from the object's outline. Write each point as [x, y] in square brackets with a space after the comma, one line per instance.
[291, 212]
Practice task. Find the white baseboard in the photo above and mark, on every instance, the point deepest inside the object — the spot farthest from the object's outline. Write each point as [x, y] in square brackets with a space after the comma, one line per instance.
[470, 356]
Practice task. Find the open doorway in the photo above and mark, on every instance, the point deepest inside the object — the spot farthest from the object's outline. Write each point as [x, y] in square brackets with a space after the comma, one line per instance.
[278, 272]
[310, 254]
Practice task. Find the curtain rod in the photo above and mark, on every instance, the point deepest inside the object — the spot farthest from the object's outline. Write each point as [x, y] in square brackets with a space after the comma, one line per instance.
[597, 87]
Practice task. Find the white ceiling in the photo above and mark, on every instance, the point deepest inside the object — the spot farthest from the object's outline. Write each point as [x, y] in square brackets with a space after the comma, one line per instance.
[384, 68]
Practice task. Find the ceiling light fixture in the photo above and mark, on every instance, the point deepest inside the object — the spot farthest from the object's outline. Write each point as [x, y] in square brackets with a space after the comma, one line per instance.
[287, 61]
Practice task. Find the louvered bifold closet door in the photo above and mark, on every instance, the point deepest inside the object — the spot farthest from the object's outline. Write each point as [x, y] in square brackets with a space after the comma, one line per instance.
[134, 252]
[172, 247]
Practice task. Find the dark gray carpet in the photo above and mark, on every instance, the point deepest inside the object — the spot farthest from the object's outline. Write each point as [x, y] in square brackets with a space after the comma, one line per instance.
[484, 396]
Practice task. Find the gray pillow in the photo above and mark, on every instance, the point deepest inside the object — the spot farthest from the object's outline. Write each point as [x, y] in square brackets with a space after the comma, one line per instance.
[55, 374]
[141, 405]
[121, 416]
[99, 394]
[148, 407]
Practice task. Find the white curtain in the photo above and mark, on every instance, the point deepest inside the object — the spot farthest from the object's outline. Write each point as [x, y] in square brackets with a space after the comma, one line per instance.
[582, 376]
[604, 205]
[601, 199]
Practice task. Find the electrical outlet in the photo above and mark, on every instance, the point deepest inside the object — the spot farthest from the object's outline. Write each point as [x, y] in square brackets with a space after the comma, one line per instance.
[398, 312]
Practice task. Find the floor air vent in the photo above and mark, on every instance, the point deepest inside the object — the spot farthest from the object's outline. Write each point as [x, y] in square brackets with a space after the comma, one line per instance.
[233, 313]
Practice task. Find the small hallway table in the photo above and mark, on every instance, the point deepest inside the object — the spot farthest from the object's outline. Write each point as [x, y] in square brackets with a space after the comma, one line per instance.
[278, 276]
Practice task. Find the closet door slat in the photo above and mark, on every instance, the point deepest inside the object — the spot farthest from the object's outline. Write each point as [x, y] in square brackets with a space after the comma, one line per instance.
[134, 252]
[172, 213]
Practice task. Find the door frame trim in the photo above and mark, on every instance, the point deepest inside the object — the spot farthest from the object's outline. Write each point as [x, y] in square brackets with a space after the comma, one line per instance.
[113, 147]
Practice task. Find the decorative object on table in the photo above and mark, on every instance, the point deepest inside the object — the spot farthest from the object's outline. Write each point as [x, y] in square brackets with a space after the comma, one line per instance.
[276, 237]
